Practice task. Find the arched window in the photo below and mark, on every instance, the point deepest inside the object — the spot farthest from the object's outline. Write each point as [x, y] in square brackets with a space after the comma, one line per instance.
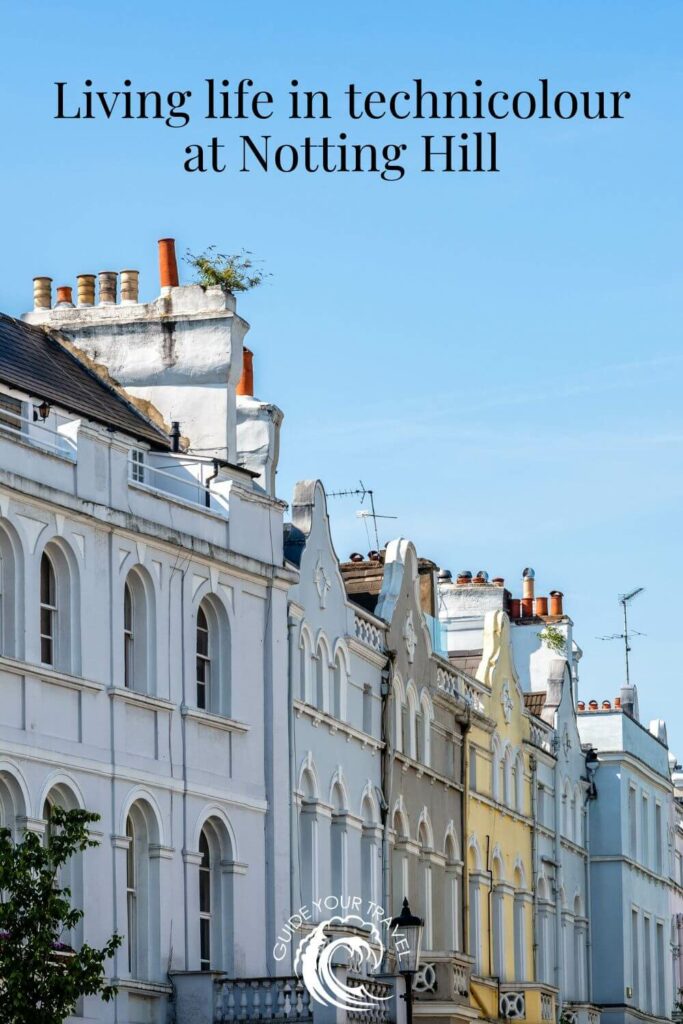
[519, 926]
[426, 885]
[59, 608]
[369, 853]
[71, 873]
[305, 687]
[10, 591]
[519, 784]
[142, 893]
[216, 897]
[213, 657]
[498, 921]
[203, 660]
[204, 904]
[453, 880]
[400, 867]
[506, 768]
[12, 804]
[139, 632]
[495, 769]
[308, 839]
[410, 723]
[578, 816]
[338, 843]
[322, 677]
[566, 811]
[398, 716]
[474, 915]
[424, 730]
[48, 610]
[339, 682]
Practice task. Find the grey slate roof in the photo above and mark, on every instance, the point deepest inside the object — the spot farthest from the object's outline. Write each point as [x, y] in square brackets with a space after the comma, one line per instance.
[33, 361]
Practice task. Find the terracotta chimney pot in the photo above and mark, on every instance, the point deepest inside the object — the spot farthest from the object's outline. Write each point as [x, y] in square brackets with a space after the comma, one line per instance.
[581, 706]
[86, 289]
[108, 283]
[246, 381]
[515, 608]
[606, 706]
[593, 705]
[64, 296]
[498, 581]
[130, 286]
[528, 577]
[556, 602]
[617, 703]
[527, 604]
[42, 293]
[168, 265]
[541, 605]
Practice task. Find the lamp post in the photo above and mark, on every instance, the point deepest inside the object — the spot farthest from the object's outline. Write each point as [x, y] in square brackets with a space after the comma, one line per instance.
[406, 934]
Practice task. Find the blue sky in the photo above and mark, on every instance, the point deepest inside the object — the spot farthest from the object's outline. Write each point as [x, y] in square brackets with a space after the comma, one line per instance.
[498, 356]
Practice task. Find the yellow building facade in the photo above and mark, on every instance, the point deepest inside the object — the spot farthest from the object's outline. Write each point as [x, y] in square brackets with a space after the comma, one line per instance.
[499, 832]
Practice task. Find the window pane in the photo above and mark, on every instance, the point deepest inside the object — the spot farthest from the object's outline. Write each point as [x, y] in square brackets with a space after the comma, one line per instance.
[205, 943]
[46, 650]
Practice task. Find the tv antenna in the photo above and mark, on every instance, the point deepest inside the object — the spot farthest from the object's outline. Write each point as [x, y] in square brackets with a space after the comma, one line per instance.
[624, 601]
[367, 513]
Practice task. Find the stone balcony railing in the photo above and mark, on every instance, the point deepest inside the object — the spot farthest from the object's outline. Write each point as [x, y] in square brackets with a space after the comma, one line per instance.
[527, 1001]
[444, 977]
[580, 1013]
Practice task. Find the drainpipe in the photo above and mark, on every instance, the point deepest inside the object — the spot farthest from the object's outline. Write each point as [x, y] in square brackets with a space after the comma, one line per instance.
[465, 883]
[293, 822]
[207, 483]
[387, 777]
[559, 946]
[533, 764]
[591, 795]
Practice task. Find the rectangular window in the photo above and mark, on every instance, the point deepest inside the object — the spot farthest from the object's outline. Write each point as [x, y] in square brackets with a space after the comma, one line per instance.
[473, 769]
[645, 831]
[647, 956]
[540, 804]
[137, 466]
[367, 709]
[658, 839]
[10, 412]
[661, 993]
[635, 958]
[632, 824]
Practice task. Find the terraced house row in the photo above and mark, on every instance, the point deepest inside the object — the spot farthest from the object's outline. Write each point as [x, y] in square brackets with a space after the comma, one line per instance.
[278, 741]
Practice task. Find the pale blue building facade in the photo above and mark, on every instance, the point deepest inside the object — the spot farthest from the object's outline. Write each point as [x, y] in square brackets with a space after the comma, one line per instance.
[631, 862]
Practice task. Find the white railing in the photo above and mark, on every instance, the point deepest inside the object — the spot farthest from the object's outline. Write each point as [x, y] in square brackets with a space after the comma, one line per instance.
[186, 487]
[380, 991]
[368, 633]
[30, 431]
[262, 999]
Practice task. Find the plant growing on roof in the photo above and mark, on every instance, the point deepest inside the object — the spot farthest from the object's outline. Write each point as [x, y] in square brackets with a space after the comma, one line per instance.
[554, 639]
[41, 976]
[236, 272]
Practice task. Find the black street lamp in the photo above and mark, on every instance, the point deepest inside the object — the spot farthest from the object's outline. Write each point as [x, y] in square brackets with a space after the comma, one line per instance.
[406, 934]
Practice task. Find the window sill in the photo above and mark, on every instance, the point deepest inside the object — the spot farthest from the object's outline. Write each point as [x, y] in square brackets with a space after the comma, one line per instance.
[144, 700]
[50, 674]
[151, 988]
[212, 720]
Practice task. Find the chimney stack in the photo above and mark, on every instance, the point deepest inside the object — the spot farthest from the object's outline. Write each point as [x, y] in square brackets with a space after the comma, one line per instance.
[86, 289]
[528, 593]
[130, 286]
[245, 385]
[42, 293]
[64, 297]
[168, 266]
[556, 602]
[108, 281]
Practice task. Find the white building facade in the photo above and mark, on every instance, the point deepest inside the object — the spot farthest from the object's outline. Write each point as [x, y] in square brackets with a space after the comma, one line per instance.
[143, 655]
